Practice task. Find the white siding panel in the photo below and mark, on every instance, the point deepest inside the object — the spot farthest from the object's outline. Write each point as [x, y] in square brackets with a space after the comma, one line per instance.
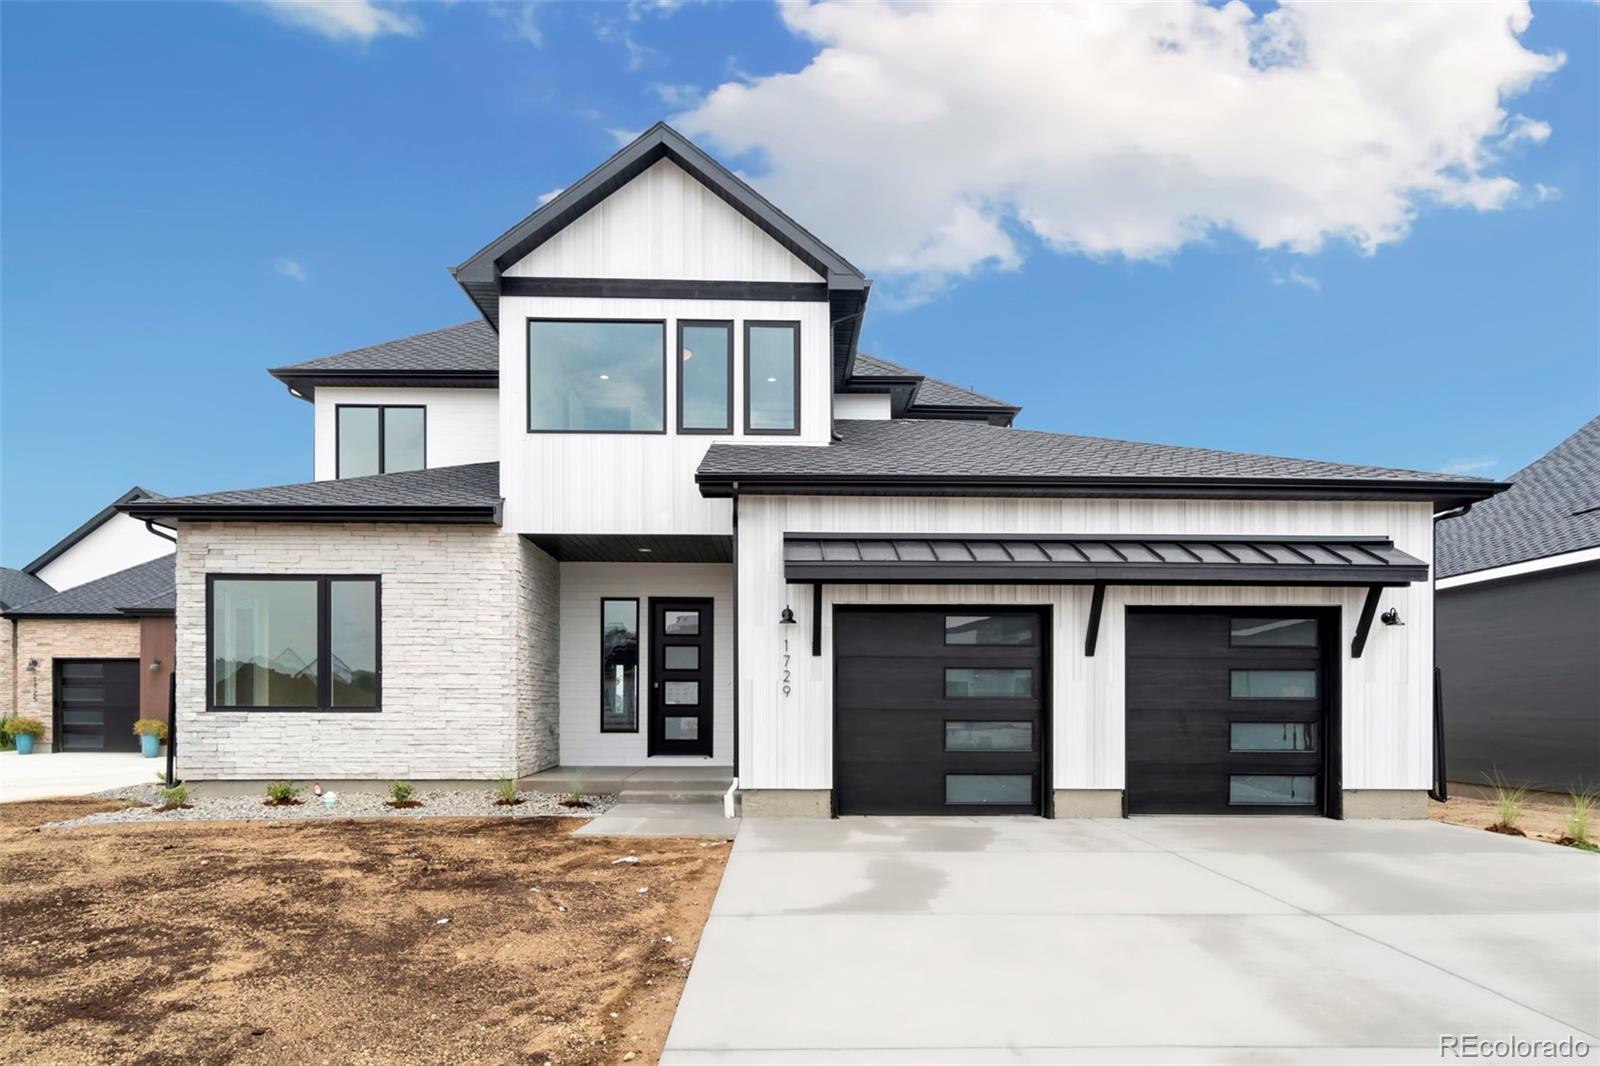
[863, 406]
[663, 224]
[786, 741]
[463, 424]
[637, 482]
[115, 544]
[583, 585]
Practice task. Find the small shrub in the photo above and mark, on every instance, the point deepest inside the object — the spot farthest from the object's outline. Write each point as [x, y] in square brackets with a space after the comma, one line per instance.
[1580, 818]
[506, 789]
[1508, 800]
[175, 796]
[283, 793]
[25, 727]
[401, 791]
[153, 727]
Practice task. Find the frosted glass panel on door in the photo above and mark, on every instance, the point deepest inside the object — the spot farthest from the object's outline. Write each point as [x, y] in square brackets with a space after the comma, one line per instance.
[681, 693]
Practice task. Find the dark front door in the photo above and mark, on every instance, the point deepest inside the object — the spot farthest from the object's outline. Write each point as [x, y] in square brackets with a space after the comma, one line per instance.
[96, 704]
[1228, 712]
[939, 711]
[680, 677]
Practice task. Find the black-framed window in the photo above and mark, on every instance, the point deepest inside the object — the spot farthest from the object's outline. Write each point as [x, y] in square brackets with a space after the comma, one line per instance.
[1272, 632]
[379, 438]
[772, 377]
[597, 376]
[619, 666]
[991, 630]
[294, 642]
[705, 377]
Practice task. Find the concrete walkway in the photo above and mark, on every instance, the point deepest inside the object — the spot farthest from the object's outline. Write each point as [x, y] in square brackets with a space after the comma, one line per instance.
[900, 940]
[44, 774]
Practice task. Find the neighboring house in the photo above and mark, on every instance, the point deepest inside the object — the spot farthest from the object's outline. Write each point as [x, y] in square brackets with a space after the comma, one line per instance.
[1519, 625]
[657, 509]
[89, 655]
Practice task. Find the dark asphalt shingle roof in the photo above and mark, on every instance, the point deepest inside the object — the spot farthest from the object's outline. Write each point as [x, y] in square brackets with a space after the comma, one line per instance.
[18, 588]
[1552, 507]
[107, 596]
[929, 390]
[912, 448]
[472, 485]
[471, 346]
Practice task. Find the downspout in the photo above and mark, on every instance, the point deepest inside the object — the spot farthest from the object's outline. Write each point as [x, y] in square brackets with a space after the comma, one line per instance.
[164, 532]
[1441, 788]
[736, 649]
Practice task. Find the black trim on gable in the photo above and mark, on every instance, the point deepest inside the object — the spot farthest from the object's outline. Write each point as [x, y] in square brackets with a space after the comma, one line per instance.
[666, 289]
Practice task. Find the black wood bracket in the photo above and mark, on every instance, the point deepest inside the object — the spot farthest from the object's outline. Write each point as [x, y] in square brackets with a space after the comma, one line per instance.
[816, 619]
[1369, 608]
[1096, 604]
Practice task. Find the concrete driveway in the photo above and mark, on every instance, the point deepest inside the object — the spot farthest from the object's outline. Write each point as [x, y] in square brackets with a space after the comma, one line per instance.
[44, 774]
[904, 940]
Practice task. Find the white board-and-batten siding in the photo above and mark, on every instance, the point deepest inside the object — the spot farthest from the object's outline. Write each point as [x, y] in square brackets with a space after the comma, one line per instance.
[462, 425]
[787, 741]
[663, 224]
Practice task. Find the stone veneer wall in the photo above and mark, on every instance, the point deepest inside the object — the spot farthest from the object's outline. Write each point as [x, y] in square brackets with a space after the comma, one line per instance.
[538, 653]
[461, 689]
[47, 639]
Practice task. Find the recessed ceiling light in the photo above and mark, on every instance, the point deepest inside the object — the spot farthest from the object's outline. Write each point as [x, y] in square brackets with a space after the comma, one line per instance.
[687, 355]
[772, 381]
[605, 377]
[647, 551]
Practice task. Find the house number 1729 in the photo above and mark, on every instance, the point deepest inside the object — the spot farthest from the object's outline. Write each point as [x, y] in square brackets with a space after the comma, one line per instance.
[785, 666]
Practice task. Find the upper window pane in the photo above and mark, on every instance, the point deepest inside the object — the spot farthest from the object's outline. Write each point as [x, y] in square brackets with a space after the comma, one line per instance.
[619, 666]
[264, 643]
[1272, 736]
[989, 629]
[1273, 632]
[771, 362]
[1273, 684]
[358, 441]
[353, 642]
[597, 377]
[681, 623]
[988, 683]
[403, 436]
[705, 366]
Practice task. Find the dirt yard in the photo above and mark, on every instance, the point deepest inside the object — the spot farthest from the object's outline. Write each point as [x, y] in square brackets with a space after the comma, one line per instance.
[1541, 819]
[453, 940]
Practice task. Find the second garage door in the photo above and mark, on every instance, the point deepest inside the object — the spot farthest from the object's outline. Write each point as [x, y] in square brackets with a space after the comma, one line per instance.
[939, 711]
[97, 702]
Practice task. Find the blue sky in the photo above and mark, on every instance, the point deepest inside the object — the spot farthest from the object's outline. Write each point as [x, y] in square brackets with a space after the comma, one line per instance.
[190, 193]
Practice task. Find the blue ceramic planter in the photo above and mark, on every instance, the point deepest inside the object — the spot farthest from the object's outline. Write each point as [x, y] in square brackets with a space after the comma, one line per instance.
[150, 744]
[24, 744]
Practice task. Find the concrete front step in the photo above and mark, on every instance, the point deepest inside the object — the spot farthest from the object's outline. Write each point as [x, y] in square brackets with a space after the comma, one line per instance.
[671, 795]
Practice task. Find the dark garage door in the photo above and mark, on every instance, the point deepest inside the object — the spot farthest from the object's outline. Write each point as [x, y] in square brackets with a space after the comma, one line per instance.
[97, 702]
[939, 711]
[1227, 713]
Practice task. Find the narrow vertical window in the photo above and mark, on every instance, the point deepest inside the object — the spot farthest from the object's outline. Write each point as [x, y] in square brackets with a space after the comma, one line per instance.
[705, 377]
[619, 666]
[772, 377]
[377, 439]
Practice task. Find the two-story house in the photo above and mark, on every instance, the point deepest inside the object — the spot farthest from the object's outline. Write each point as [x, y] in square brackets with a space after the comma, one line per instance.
[656, 508]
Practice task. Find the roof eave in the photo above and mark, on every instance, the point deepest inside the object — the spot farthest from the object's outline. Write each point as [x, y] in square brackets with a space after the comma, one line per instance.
[303, 384]
[475, 514]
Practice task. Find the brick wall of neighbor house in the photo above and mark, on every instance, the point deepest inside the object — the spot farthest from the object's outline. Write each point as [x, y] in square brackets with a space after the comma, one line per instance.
[454, 611]
[538, 651]
[47, 639]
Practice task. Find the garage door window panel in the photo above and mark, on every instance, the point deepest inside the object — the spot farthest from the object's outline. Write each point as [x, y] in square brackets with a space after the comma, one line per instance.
[1272, 790]
[1272, 736]
[988, 683]
[1272, 684]
[980, 736]
[1008, 790]
[1272, 632]
[991, 630]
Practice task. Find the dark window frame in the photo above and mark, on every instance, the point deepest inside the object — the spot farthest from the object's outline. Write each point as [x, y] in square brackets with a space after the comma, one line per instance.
[1316, 631]
[1031, 642]
[383, 418]
[325, 704]
[794, 327]
[638, 651]
[527, 375]
[725, 324]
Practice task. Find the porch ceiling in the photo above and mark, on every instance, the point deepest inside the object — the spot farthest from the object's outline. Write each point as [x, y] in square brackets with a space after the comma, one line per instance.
[634, 547]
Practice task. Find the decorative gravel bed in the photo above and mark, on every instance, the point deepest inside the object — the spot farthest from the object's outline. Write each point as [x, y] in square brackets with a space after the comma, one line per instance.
[435, 804]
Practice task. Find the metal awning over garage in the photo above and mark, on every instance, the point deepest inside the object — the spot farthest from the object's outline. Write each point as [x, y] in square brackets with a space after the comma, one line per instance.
[866, 558]
[856, 558]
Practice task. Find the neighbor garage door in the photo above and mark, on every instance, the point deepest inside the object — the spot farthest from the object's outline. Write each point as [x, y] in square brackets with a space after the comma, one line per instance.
[1227, 713]
[97, 702]
[939, 711]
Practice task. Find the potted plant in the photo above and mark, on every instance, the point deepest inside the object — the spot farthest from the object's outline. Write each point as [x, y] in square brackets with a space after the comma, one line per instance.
[25, 731]
[151, 732]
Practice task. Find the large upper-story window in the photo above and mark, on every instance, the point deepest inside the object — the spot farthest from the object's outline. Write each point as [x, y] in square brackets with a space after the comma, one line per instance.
[705, 377]
[590, 376]
[374, 439]
[772, 377]
[293, 643]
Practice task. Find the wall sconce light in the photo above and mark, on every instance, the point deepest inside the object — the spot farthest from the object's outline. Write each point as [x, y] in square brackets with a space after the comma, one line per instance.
[787, 618]
[33, 665]
[1391, 617]
[155, 664]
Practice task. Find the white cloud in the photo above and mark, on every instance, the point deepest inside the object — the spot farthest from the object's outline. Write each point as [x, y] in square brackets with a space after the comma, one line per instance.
[1469, 466]
[546, 197]
[342, 20]
[1299, 277]
[677, 95]
[1547, 192]
[290, 269]
[521, 19]
[928, 141]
